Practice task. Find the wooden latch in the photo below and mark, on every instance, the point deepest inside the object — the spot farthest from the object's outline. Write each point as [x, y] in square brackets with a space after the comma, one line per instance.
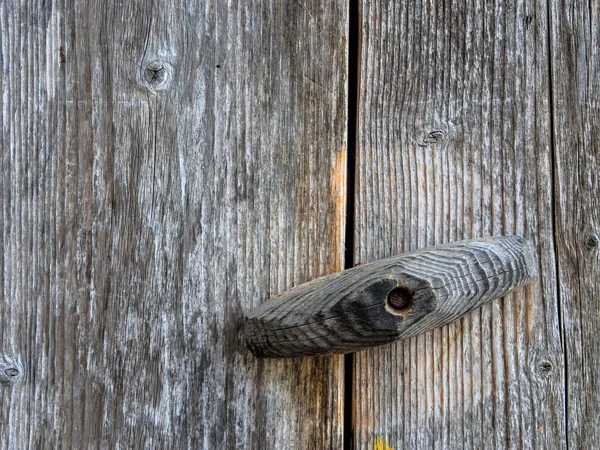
[391, 299]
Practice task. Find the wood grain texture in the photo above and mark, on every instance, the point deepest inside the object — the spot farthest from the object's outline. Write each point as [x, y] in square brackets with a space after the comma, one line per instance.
[454, 142]
[576, 87]
[395, 298]
[166, 167]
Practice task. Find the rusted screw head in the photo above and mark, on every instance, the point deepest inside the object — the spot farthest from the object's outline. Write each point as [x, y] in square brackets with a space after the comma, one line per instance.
[400, 300]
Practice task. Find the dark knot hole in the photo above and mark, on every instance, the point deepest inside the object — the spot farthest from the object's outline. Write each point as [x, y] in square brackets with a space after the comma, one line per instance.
[400, 300]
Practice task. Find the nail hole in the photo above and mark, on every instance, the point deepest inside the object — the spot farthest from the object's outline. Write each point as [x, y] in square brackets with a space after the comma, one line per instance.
[218, 66]
[400, 300]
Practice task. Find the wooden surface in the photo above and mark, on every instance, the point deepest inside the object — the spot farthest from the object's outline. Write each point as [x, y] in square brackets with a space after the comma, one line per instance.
[455, 142]
[576, 79]
[394, 298]
[166, 167]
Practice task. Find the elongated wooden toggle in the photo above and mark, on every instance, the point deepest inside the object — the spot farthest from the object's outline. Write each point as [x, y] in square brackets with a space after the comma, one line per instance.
[391, 299]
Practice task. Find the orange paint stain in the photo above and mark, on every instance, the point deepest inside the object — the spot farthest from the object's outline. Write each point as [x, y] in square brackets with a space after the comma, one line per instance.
[338, 193]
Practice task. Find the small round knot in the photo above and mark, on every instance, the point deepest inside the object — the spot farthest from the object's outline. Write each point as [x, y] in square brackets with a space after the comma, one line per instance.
[11, 373]
[157, 74]
[10, 370]
[433, 137]
[591, 242]
[400, 300]
[545, 368]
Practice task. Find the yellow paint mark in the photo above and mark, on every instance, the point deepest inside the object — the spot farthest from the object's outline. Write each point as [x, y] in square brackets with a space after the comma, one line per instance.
[380, 443]
[338, 192]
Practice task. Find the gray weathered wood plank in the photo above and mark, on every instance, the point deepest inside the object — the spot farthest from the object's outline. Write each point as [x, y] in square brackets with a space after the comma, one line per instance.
[166, 167]
[576, 87]
[454, 142]
[391, 299]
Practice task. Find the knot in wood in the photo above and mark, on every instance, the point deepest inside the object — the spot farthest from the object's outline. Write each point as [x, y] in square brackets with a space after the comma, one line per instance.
[545, 368]
[10, 370]
[432, 137]
[157, 74]
[591, 242]
[435, 136]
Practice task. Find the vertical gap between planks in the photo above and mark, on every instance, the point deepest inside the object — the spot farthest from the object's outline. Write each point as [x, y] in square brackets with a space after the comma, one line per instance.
[553, 201]
[353, 84]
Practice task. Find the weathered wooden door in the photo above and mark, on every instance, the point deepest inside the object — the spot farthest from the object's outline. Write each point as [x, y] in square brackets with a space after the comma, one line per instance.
[167, 166]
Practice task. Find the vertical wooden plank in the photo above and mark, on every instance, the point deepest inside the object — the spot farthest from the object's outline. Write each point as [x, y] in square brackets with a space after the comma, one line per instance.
[166, 166]
[576, 84]
[455, 142]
